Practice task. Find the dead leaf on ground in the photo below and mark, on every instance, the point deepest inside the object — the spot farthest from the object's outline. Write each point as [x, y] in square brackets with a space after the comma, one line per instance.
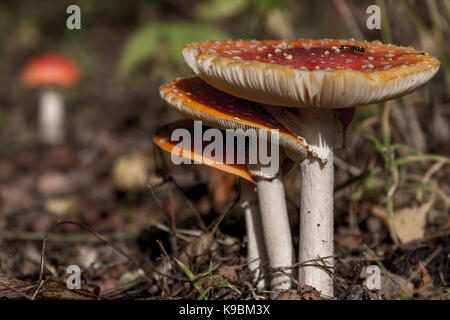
[131, 172]
[229, 272]
[308, 293]
[407, 223]
[60, 206]
[288, 295]
[303, 292]
[391, 285]
[394, 285]
[199, 247]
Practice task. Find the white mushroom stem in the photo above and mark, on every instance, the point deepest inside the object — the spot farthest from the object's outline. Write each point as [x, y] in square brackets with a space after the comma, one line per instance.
[277, 233]
[256, 248]
[51, 117]
[323, 132]
[316, 224]
[276, 228]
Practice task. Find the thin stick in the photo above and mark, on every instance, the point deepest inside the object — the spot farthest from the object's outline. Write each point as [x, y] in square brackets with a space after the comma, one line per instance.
[17, 291]
[173, 221]
[60, 237]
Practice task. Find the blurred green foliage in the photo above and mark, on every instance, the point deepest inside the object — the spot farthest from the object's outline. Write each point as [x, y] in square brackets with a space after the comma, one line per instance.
[220, 9]
[145, 41]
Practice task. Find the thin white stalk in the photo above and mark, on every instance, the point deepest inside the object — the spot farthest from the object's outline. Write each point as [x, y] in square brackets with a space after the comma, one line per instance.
[51, 117]
[323, 132]
[316, 224]
[256, 248]
[277, 233]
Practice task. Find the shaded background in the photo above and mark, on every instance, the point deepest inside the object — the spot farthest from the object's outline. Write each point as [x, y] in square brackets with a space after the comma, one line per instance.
[125, 50]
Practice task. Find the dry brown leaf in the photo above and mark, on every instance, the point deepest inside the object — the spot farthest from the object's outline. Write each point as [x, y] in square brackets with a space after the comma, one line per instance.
[229, 272]
[308, 293]
[289, 295]
[198, 247]
[393, 285]
[408, 223]
[303, 292]
[131, 172]
[60, 206]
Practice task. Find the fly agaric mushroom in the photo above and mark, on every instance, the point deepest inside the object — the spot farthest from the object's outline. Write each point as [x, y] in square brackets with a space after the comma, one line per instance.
[50, 73]
[256, 251]
[316, 76]
[199, 101]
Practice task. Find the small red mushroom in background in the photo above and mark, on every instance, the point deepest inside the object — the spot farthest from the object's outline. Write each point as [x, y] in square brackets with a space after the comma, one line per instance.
[50, 73]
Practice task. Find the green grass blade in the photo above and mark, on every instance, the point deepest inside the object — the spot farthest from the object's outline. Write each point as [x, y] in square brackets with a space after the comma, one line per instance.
[226, 284]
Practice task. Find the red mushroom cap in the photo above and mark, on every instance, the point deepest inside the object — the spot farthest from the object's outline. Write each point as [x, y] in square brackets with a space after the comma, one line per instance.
[50, 70]
[197, 100]
[311, 73]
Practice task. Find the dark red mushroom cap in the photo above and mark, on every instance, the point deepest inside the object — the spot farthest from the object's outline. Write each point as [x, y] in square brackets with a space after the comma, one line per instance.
[50, 70]
[311, 73]
[199, 101]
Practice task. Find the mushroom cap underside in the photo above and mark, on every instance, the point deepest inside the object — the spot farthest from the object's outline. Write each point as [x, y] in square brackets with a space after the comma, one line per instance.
[163, 139]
